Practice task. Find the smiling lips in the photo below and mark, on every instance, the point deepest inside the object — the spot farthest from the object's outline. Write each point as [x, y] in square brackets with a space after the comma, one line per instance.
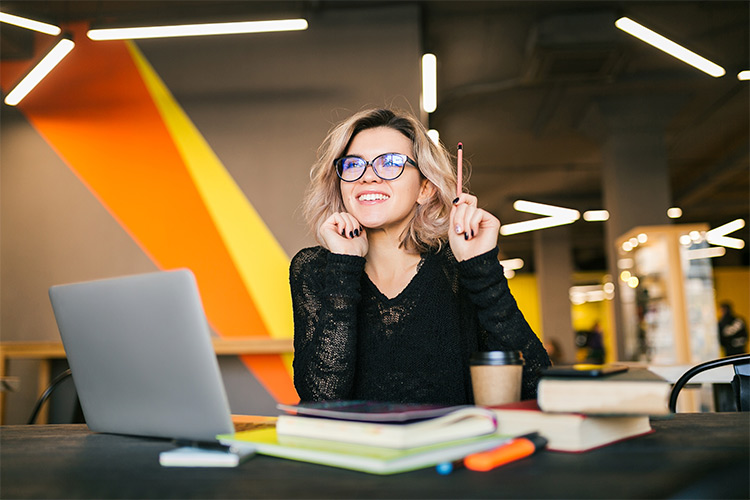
[373, 197]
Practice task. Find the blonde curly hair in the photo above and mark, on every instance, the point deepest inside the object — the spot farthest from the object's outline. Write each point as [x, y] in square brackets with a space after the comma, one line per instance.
[428, 229]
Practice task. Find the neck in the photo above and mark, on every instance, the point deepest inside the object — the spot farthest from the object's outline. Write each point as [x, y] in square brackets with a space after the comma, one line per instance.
[389, 266]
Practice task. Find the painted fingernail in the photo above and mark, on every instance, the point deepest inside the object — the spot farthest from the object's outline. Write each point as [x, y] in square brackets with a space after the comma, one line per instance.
[343, 233]
[472, 233]
[455, 201]
[459, 229]
[356, 232]
[351, 234]
[466, 236]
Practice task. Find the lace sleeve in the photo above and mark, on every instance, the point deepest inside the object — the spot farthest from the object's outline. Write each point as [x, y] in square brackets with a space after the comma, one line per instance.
[500, 317]
[325, 296]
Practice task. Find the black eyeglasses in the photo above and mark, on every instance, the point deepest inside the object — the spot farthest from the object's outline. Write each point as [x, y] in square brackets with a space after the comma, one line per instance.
[387, 166]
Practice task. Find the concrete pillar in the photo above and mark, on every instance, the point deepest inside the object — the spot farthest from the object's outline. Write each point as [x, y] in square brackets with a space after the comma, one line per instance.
[635, 177]
[553, 260]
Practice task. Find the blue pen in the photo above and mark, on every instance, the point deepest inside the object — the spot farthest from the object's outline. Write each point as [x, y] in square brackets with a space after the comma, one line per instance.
[446, 468]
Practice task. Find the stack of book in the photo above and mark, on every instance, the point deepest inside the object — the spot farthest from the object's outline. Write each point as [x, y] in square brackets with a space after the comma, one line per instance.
[374, 437]
[581, 409]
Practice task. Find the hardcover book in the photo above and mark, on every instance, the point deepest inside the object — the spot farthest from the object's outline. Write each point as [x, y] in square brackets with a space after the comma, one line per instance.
[633, 392]
[571, 432]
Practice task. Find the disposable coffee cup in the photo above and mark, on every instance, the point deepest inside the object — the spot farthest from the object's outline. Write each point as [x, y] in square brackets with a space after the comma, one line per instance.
[496, 377]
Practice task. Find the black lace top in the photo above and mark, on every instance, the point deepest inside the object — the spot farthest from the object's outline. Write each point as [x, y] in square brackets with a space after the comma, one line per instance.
[352, 342]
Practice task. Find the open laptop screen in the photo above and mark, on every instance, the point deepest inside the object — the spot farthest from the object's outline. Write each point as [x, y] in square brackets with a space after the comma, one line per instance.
[140, 352]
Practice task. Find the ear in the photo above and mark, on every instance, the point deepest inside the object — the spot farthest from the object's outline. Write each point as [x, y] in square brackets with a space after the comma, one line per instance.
[426, 191]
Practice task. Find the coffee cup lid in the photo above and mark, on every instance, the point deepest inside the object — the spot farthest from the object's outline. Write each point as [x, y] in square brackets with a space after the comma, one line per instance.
[497, 358]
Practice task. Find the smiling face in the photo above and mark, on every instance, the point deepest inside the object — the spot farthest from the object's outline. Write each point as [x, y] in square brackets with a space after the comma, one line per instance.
[379, 204]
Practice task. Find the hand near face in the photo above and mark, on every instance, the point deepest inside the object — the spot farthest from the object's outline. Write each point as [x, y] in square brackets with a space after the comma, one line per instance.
[473, 231]
[341, 233]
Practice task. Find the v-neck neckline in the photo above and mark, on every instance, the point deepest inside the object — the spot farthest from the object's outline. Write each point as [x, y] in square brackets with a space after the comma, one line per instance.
[384, 298]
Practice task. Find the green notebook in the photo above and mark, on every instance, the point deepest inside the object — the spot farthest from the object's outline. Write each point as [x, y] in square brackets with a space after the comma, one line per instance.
[371, 459]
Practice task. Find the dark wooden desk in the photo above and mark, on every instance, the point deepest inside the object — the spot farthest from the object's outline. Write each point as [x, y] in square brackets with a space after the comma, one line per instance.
[689, 456]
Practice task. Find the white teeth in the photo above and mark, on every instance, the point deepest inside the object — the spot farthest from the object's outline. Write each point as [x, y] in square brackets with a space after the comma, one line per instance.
[373, 197]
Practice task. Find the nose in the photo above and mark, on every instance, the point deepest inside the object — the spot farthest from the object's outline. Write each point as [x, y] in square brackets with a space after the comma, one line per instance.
[370, 175]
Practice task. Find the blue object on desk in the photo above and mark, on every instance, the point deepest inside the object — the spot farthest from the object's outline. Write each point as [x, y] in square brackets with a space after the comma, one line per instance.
[446, 468]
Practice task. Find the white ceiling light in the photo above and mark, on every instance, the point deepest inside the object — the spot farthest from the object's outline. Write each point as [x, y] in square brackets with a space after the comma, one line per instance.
[743, 75]
[429, 83]
[705, 253]
[556, 216]
[30, 24]
[591, 293]
[673, 49]
[512, 264]
[197, 29]
[674, 212]
[532, 207]
[595, 215]
[718, 235]
[38, 72]
[434, 135]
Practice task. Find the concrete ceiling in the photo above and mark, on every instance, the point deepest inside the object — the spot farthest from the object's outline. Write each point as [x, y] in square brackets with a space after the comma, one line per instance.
[517, 83]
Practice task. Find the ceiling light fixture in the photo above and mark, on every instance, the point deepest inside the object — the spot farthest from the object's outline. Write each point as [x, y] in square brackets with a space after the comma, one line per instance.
[595, 215]
[744, 75]
[197, 29]
[532, 207]
[429, 83]
[556, 216]
[38, 72]
[512, 264]
[705, 253]
[718, 235]
[30, 24]
[434, 135]
[673, 49]
[674, 212]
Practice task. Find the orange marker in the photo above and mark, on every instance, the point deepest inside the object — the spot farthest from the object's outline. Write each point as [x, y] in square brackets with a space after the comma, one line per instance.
[460, 169]
[516, 449]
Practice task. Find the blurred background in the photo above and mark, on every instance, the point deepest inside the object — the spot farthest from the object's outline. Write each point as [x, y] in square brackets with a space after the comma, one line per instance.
[101, 163]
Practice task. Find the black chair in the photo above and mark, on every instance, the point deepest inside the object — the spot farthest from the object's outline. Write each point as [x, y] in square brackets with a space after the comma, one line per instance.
[740, 381]
[47, 393]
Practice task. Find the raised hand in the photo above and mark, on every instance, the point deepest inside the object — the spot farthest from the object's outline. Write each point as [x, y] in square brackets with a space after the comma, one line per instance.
[341, 233]
[473, 231]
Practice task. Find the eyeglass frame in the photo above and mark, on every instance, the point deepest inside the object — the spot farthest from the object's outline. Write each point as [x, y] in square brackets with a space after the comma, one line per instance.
[370, 163]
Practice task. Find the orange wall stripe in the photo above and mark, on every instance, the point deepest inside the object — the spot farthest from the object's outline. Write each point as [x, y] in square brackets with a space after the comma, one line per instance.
[96, 112]
[257, 255]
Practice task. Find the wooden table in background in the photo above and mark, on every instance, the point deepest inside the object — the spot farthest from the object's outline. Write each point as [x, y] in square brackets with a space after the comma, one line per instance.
[45, 352]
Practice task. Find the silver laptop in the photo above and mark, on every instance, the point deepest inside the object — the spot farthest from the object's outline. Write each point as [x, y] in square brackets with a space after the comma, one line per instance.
[140, 352]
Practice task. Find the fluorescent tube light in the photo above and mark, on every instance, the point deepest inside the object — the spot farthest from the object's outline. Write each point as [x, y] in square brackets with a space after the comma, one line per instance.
[533, 207]
[197, 29]
[595, 215]
[429, 83]
[512, 264]
[588, 293]
[673, 49]
[743, 75]
[674, 212]
[32, 79]
[533, 225]
[30, 24]
[556, 216]
[717, 235]
[434, 135]
[705, 253]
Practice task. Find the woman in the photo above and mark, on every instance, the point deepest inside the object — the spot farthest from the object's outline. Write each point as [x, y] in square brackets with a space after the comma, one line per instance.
[392, 304]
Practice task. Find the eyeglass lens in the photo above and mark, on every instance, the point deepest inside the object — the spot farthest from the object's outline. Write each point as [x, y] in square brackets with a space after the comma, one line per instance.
[386, 166]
